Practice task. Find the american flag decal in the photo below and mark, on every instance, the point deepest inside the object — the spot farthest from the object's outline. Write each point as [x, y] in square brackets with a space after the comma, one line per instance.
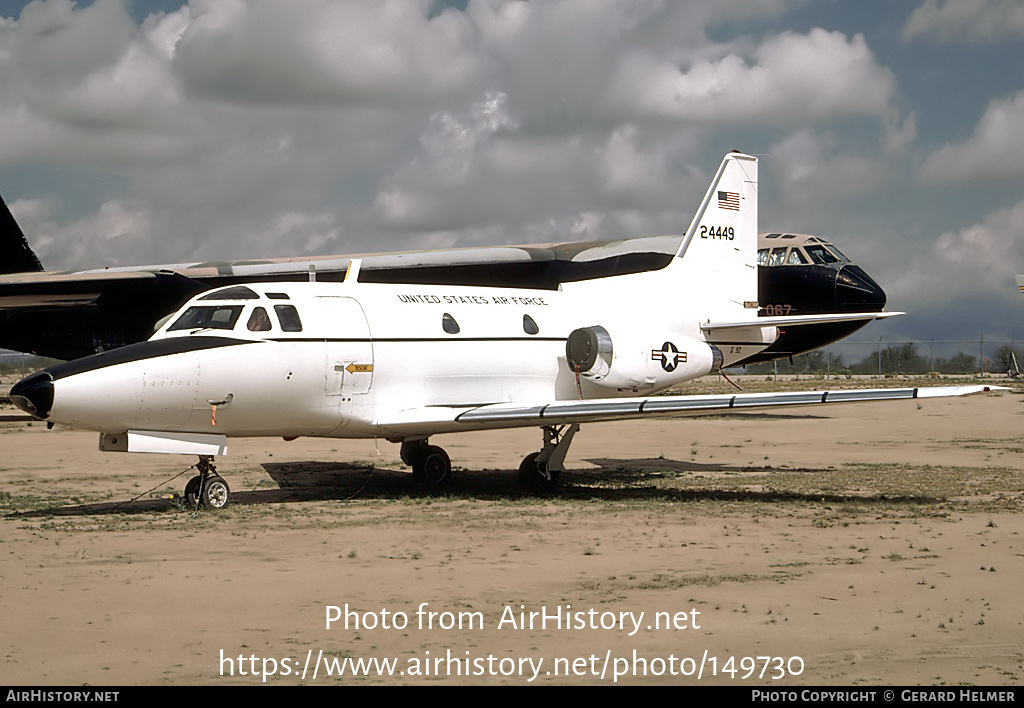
[729, 200]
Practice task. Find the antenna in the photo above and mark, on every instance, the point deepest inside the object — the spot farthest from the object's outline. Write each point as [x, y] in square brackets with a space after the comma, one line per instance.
[352, 274]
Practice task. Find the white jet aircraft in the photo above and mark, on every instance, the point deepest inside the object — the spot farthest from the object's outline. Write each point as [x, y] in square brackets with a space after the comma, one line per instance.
[405, 362]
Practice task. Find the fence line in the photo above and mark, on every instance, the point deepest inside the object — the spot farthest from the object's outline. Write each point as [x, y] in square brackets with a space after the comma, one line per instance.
[906, 356]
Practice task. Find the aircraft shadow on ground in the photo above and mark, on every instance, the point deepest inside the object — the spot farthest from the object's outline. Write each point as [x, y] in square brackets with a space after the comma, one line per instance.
[616, 480]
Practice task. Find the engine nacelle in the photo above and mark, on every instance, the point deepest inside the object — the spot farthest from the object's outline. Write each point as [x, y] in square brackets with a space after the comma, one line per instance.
[634, 361]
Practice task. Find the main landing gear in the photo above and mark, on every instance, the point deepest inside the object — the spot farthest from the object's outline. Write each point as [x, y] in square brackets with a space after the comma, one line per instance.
[429, 463]
[207, 489]
[538, 473]
[540, 470]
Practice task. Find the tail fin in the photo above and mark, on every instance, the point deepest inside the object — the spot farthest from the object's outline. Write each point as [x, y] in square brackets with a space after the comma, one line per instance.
[15, 254]
[718, 255]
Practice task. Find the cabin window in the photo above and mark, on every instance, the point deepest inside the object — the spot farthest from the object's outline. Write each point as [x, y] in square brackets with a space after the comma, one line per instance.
[795, 258]
[259, 320]
[762, 256]
[449, 324]
[529, 326]
[289, 318]
[212, 317]
[236, 292]
[778, 256]
[278, 296]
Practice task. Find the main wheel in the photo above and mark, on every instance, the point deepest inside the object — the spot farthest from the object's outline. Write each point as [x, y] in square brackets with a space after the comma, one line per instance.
[434, 467]
[192, 491]
[215, 493]
[532, 478]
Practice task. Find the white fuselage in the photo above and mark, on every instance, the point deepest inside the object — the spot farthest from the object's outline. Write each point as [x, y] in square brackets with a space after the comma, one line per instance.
[404, 362]
[362, 351]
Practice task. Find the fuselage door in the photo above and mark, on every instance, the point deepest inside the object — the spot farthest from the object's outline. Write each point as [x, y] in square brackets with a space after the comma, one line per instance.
[348, 347]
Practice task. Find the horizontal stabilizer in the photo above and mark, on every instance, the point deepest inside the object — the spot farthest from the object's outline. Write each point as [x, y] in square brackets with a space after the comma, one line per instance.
[796, 320]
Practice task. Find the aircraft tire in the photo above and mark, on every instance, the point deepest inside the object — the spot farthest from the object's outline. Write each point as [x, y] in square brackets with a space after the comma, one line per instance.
[192, 492]
[531, 477]
[216, 493]
[434, 468]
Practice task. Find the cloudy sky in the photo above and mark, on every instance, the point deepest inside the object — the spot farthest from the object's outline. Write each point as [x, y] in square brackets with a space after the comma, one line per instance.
[159, 131]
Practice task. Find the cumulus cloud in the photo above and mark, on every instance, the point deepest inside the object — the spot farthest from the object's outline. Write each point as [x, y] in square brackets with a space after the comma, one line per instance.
[811, 168]
[974, 21]
[988, 253]
[994, 246]
[241, 129]
[318, 52]
[994, 151]
[119, 233]
[790, 78]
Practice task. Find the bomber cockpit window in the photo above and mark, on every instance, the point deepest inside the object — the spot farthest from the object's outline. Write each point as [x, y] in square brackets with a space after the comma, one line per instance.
[778, 256]
[838, 254]
[530, 325]
[259, 320]
[820, 255]
[208, 317]
[795, 257]
[289, 318]
[235, 292]
[762, 256]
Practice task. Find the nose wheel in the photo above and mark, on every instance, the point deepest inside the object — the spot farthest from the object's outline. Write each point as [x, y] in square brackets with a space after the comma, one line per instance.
[207, 489]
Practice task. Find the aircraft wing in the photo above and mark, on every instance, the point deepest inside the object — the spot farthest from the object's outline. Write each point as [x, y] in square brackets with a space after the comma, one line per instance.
[67, 315]
[506, 415]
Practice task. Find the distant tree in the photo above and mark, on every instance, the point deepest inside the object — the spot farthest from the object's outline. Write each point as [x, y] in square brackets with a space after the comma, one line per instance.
[816, 362]
[962, 363]
[21, 364]
[1003, 361]
[896, 359]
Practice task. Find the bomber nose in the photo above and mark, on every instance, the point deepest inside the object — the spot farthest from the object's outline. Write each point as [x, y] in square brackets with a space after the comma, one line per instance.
[857, 292]
[34, 394]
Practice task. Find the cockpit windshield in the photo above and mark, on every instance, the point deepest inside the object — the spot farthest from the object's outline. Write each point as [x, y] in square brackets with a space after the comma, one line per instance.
[774, 250]
[208, 317]
[235, 292]
[838, 253]
[820, 255]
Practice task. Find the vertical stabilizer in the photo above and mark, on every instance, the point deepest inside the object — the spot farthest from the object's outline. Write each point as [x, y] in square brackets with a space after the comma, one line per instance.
[15, 254]
[718, 256]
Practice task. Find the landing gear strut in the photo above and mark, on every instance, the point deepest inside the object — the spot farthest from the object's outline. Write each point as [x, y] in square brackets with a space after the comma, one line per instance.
[540, 470]
[207, 489]
[430, 463]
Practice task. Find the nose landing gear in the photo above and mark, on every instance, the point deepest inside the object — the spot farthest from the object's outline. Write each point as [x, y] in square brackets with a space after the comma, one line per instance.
[207, 489]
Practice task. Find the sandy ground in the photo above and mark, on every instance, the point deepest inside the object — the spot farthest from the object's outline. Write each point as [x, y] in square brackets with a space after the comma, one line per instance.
[851, 545]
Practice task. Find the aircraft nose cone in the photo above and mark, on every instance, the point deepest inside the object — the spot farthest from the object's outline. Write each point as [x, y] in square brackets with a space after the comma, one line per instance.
[34, 394]
[857, 292]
